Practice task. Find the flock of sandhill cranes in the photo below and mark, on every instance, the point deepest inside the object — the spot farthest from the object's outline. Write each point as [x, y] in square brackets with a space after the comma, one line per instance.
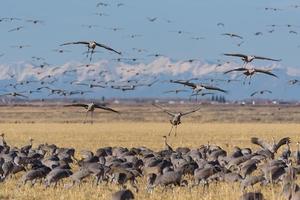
[205, 165]
[169, 167]
[138, 77]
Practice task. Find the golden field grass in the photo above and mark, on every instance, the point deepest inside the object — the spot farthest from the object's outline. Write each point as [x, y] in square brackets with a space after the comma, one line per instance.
[134, 134]
[56, 113]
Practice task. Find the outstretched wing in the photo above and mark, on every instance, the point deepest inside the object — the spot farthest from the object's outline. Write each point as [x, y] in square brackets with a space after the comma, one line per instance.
[189, 112]
[105, 108]
[166, 111]
[171, 91]
[235, 70]
[108, 48]
[254, 93]
[261, 143]
[235, 54]
[96, 85]
[77, 105]
[233, 35]
[5, 94]
[193, 85]
[281, 142]
[21, 95]
[202, 94]
[214, 88]
[265, 72]
[238, 36]
[268, 91]
[82, 84]
[264, 58]
[80, 42]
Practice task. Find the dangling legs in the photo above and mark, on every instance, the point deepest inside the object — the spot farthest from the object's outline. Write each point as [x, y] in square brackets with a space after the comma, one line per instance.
[87, 53]
[92, 117]
[92, 52]
[171, 130]
[175, 130]
[87, 112]
[244, 80]
[250, 79]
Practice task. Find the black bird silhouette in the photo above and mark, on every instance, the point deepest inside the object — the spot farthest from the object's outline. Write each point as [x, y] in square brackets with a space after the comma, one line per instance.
[249, 58]
[91, 47]
[199, 87]
[260, 92]
[91, 108]
[251, 71]
[233, 35]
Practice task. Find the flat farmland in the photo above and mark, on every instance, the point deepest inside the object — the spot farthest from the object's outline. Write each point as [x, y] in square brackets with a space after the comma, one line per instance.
[147, 113]
[142, 126]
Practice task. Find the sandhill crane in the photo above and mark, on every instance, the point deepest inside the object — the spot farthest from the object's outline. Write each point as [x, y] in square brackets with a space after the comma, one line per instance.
[251, 180]
[91, 85]
[14, 94]
[78, 176]
[16, 29]
[176, 120]
[249, 58]
[270, 148]
[250, 72]
[35, 174]
[293, 81]
[91, 45]
[197, 88]
[151, 19]
[56, 175]
[123, 195]
[232, 35]
[90, 108]
[252, 196]
[167, 178]
[261, 92]
[26, 148]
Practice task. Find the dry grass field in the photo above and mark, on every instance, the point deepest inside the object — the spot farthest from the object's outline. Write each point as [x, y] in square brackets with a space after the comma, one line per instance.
[135, 133]
[136, 112]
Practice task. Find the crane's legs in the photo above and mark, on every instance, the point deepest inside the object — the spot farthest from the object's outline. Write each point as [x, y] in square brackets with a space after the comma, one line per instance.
[88, 52]
[85, 117]
[245, 78]
[175, 130]
[250, 79]
[92, 117]
[171, 130]
[91, 56]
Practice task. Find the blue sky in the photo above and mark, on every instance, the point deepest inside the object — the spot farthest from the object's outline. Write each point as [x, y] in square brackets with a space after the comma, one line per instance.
[63, 22]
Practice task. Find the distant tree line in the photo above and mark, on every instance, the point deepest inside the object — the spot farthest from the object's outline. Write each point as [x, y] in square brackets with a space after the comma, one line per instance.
[218, 98]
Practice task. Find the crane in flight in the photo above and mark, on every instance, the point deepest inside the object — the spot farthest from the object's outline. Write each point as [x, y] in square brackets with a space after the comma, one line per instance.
[90, 107]
[249, 58]
[176, 117]
[91, 45]
[249, 72]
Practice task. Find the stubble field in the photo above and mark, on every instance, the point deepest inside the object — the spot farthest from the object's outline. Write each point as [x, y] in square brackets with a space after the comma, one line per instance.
[136, 133]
